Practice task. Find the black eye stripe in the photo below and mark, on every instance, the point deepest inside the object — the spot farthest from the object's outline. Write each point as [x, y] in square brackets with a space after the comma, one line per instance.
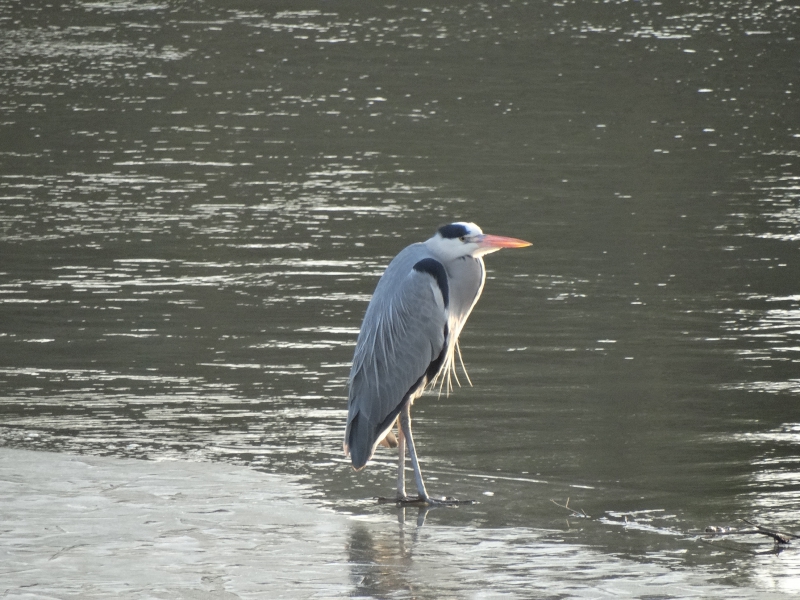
[453, 231]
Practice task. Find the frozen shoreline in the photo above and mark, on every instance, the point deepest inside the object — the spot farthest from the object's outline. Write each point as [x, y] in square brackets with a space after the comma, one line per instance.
[93, 527]
[97, 527]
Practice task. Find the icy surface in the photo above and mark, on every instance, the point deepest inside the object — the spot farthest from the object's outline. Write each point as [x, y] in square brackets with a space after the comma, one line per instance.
[93, 527]
[100, 527]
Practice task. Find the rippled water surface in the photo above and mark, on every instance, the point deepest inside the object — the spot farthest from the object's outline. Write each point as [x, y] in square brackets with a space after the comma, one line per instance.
[196, 201]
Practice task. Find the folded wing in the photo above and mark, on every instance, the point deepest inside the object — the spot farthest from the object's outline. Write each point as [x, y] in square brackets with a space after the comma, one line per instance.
[400, 348]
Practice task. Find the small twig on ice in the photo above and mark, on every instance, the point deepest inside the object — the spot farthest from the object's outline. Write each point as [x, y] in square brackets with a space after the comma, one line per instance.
[575, 513]
[778, 536]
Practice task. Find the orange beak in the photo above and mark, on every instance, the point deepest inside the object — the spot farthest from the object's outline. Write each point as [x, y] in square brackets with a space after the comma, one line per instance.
[498, 241]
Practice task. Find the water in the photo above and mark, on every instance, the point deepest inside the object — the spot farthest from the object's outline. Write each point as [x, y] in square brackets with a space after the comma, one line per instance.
[196, 202]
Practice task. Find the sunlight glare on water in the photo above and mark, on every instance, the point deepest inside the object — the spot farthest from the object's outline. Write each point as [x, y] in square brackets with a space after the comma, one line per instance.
[196, 202]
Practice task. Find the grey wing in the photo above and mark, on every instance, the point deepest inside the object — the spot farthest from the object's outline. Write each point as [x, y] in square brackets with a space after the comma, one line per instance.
[399, 348]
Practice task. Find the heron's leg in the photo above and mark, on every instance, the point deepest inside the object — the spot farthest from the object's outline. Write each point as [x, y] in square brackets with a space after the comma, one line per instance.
[401, 464]
[405, 430]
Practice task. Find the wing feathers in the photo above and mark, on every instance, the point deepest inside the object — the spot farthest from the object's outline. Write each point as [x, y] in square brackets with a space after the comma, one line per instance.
[403, 335]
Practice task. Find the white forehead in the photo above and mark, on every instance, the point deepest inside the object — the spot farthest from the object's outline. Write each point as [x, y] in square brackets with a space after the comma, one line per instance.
[471, 228]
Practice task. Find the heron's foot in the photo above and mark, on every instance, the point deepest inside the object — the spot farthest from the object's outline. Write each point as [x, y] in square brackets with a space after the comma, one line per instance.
[424, 501]
[403, 500]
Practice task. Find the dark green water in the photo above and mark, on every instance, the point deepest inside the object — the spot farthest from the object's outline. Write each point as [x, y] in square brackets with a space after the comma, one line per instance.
[196, 200]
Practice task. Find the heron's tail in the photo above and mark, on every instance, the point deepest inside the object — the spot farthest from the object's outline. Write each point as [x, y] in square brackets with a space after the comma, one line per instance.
[358, 442]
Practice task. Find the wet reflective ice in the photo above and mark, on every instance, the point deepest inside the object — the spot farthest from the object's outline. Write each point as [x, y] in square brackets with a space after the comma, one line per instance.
[196, 203]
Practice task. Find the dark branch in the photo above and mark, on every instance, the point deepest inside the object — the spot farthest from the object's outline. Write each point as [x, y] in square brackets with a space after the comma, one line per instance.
[779, 537]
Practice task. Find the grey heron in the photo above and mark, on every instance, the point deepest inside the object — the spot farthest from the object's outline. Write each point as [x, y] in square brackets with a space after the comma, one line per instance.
[409, 338]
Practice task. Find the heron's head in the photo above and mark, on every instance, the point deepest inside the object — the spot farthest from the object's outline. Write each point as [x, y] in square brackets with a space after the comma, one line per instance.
[466, 239]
